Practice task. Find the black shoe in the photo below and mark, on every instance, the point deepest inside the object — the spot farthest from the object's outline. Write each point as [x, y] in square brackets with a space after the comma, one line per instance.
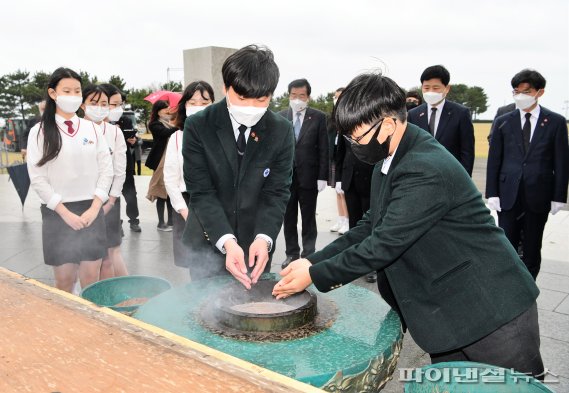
[287, 261]
[164, 228]
[135, 228]
[371, 278]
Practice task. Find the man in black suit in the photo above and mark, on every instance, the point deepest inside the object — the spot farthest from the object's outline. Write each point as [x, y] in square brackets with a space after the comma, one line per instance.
[237, 168]
[501, 111]
[448, 270]
[528, 167]
[310, 172]
[447, 121]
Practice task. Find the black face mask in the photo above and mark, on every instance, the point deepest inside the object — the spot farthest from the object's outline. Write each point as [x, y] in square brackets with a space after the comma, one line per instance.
[373, 152]
[411, 104]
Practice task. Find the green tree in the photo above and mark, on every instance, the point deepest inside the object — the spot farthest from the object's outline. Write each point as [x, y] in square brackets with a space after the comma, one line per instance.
[86, 79]
[477, 101]
[135, 97]
[118, 82]
[279, 103]
[458, 93]
[16, 93]
[172, 86]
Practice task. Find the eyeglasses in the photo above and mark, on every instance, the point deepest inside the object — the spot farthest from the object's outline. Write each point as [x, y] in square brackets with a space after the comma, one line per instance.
[357, 140]
[528, 91]
[114, 106]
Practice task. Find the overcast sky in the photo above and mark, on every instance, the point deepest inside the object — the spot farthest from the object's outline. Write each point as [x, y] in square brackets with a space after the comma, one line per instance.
[482, 42]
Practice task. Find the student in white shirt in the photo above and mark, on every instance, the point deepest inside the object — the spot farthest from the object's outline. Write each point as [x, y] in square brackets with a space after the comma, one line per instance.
[71, 170]
[196, 97]
[96, 108]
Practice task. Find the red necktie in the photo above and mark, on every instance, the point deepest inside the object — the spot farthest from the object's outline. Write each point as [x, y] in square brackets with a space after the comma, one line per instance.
[69, 125]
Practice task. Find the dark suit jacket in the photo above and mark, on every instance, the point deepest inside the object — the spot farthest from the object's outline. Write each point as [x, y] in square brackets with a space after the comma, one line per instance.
[454, 275]
[311, 152]
[160, 136]
[544, 169]
[350, 169]
[455, 130]
[501, 111]
[225, 199]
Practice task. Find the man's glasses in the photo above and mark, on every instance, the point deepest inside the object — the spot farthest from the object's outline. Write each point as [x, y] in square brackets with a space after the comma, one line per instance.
[357, 140]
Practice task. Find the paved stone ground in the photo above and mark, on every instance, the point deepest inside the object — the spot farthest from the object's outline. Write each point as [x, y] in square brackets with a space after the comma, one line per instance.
[150, 253]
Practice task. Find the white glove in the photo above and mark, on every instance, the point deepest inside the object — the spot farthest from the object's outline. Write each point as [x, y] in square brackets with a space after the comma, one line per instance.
[494, 204]
[556, 206]
[321, 185]
[339, 188]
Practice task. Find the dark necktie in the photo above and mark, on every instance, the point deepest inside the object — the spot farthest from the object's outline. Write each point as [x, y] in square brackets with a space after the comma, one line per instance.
[69, 125]
[241, 143]
[432, 121]
[526, 132]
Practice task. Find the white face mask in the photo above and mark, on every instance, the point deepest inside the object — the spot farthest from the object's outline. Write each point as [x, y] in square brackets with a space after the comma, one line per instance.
[96, 113]
[298, 105]
[115, 114]
[192, 110]
[524, 101]
[433, 98]
[246, 115]
[68, 104]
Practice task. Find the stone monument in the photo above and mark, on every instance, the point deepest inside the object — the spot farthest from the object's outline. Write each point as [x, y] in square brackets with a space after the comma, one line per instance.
[205, 64]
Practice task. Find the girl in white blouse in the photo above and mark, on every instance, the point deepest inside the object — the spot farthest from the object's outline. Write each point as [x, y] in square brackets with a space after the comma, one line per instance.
[96, 108]
[71, 170]
[195, 98]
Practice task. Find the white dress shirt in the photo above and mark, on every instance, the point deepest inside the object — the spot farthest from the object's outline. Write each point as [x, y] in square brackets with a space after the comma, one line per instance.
[533, 119]
[302, 115]
[219, 244]
[117, 148]
[439, 107]
[387, 162]
[174, 171]
[82, 170]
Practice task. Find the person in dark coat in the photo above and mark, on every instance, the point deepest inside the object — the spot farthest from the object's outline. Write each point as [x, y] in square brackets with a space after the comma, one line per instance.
[448, 270]
[528, 167]
[237, 159]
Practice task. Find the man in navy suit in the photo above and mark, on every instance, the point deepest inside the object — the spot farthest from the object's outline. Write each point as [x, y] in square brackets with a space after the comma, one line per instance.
[528, 167]
[310, 173]
[447, 121]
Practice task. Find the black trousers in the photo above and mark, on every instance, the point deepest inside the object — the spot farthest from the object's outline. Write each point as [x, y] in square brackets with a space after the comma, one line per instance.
[306, 198]
[129, 194]
[521, 219]
[514, 345]
[357, 201]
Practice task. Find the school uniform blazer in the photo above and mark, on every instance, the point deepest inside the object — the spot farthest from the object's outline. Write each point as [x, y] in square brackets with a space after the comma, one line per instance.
[454, 275]
[544, 169]
[455, 130]
[311, 150]
[227, 199]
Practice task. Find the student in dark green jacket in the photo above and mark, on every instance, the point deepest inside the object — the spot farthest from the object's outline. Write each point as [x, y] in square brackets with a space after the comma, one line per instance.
[237, 167]
[442, 263]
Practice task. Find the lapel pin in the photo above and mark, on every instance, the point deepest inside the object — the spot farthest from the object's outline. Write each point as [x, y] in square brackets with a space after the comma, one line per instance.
[421, 114]
[254, 136]
[266, 172]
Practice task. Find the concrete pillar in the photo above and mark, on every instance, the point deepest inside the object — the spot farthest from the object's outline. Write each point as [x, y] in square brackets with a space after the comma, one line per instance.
[205, 64]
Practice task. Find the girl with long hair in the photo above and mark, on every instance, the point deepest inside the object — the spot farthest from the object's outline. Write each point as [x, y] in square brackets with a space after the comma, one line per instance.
[71, 170]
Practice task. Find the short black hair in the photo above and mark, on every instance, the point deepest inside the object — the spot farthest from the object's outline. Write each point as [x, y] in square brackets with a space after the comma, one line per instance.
[251, 71]
[414, 94]
[534, 78]
[298, 83]
[111, 90]
[436, 72]
[368, 98]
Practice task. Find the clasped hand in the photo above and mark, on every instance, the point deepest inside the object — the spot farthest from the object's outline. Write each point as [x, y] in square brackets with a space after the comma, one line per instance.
[235, 261]
[296, 278]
